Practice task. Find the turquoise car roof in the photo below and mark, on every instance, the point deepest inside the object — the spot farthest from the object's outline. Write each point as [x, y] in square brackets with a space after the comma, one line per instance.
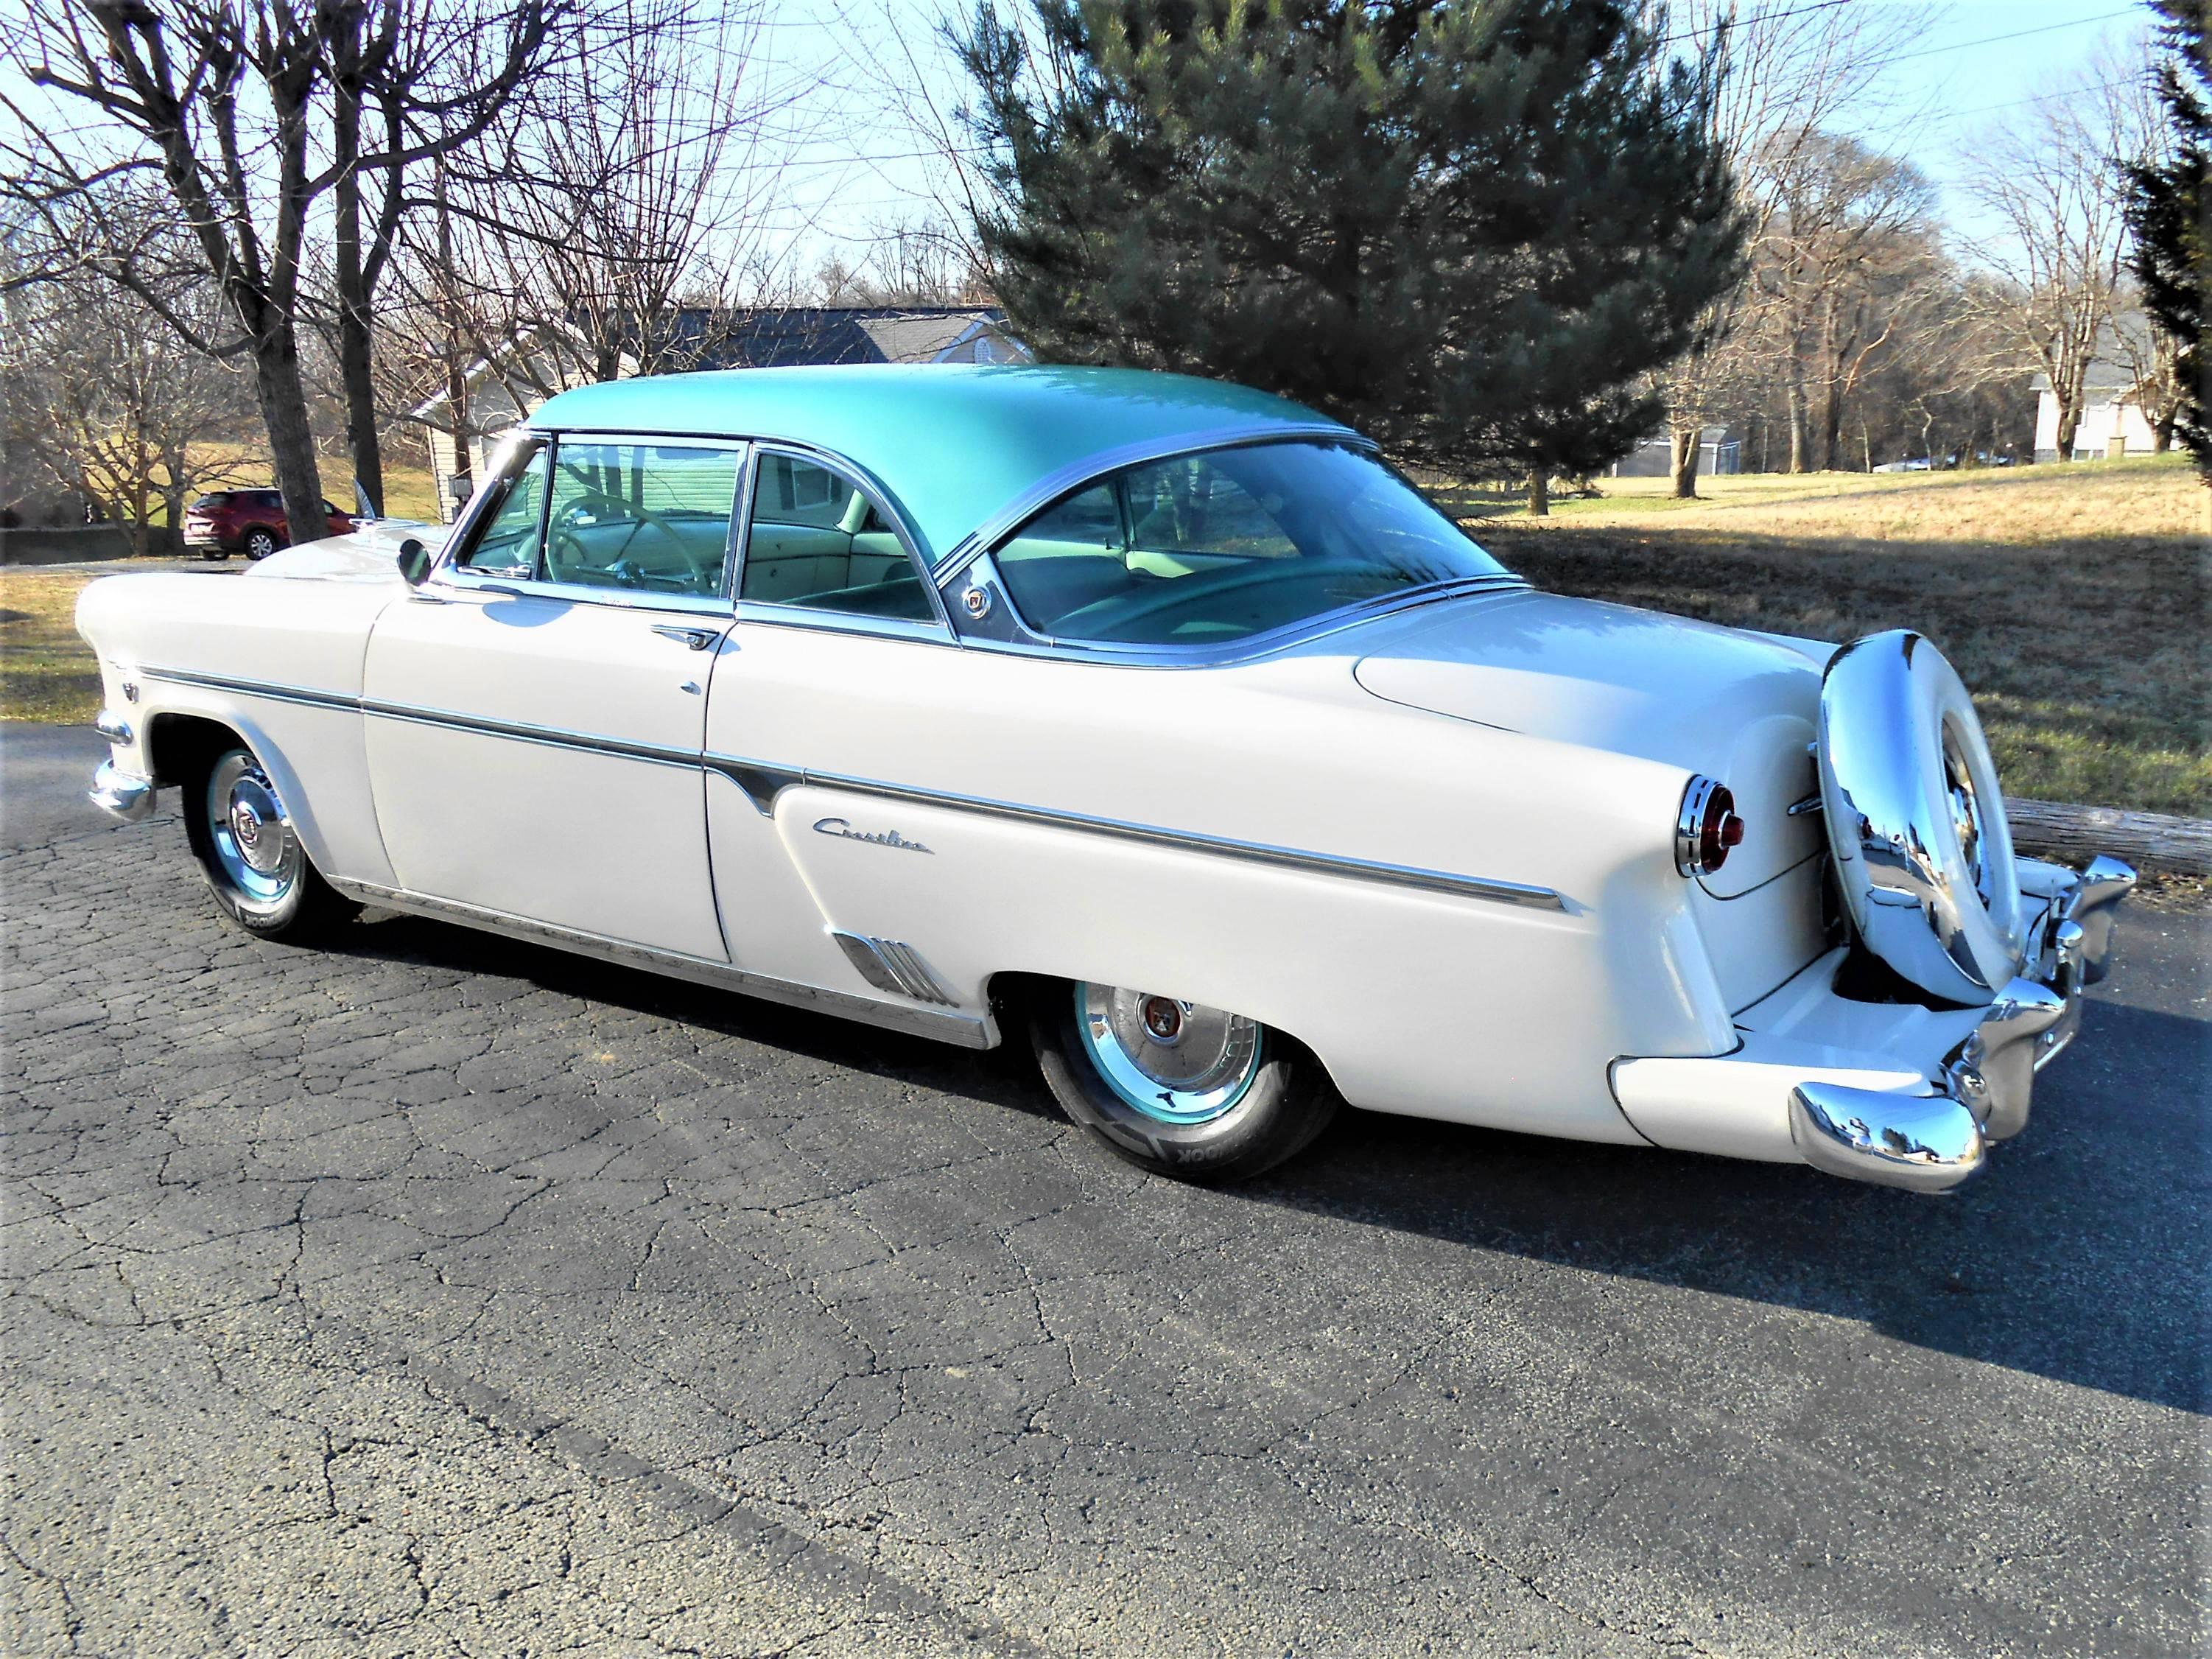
[955, 443]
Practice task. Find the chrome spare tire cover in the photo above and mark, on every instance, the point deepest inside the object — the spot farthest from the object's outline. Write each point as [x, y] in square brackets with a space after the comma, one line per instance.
[1922, 851]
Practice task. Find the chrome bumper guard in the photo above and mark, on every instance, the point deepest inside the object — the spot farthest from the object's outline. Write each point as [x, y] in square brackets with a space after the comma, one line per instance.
[121, 794]
[1931, 1143]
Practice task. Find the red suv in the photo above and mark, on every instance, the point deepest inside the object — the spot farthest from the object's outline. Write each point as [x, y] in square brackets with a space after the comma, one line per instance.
[248, 521]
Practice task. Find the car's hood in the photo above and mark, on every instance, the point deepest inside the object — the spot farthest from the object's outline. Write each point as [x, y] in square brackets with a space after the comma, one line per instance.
[369, 554]
[1740, 707]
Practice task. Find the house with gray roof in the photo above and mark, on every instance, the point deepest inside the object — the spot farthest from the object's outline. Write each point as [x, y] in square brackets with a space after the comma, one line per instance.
[2114, 420]
[503, 391]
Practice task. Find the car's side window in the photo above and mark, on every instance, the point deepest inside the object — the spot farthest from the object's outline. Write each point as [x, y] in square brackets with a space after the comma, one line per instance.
[818, 539]
[648, 517]
[507, 543]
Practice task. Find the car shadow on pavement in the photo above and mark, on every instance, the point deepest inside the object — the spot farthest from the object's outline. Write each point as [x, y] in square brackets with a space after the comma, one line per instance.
[2079, 1255]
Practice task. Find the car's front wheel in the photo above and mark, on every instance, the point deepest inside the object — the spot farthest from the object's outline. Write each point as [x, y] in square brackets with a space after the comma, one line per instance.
[242, 834]
[261, 544]
[1177, 1087]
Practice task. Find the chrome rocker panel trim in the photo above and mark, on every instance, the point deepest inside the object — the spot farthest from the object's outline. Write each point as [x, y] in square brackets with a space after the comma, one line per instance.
[120, 794]
[1934, 1142]
[962, 1030]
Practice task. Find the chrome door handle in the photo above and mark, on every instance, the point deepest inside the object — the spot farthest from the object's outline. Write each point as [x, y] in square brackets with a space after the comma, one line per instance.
[698, 639]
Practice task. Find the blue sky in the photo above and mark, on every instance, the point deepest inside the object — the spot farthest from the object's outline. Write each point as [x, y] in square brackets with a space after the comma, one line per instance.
[1970, 63]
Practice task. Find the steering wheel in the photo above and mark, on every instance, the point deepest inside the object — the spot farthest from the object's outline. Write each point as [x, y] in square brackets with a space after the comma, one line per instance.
[563, 548]
[1184, 591]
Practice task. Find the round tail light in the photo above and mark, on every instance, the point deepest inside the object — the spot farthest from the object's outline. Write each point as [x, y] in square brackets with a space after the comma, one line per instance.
[1707, 828]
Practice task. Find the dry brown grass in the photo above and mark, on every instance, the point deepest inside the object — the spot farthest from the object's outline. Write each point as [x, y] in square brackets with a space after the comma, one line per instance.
[47, 672]
[2072, 599]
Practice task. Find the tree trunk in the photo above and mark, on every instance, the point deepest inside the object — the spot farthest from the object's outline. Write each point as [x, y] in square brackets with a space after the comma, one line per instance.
[356, 345]
[461, 484]
[356, 374]
[283, 398]
[1799, 460]
[2161, 435]
[2069, 419]
[172, 499]
[1687, 448]
[141, 511]
[1540, 494]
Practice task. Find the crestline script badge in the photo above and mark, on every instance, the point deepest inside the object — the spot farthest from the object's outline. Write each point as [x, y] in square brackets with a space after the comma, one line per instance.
[844, 831]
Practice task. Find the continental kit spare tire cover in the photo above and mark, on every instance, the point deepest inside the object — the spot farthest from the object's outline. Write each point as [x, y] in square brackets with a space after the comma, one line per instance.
[1914, 817]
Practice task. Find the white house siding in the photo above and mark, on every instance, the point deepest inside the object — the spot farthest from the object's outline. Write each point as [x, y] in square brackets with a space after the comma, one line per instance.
[493, 408]
[2104, 418]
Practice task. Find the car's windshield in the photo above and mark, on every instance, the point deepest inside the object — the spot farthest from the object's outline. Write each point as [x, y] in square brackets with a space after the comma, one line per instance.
[1229, 543]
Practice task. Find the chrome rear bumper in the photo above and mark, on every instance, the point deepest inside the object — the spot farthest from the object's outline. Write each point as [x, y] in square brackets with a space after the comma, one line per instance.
[1930, 1143]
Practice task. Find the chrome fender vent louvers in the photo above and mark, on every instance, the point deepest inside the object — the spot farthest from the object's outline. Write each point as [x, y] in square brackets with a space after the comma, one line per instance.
[889, 965]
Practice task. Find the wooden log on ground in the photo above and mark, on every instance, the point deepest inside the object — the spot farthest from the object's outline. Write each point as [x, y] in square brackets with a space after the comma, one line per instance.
[2074, 835]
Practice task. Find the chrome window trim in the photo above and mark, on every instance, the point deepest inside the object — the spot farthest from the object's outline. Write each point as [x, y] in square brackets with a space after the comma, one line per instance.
[462, 582]
[1252, 646]
[761, 613]
[881, 498]
[513, 454]
[763, 781]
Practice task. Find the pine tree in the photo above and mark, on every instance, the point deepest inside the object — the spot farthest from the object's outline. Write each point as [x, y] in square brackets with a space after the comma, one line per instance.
[2170, 215]
[1469, 228]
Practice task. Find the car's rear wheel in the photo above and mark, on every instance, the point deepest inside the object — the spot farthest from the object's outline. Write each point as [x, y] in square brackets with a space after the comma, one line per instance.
[261, 544]
[1177, 1087]
[242, 834]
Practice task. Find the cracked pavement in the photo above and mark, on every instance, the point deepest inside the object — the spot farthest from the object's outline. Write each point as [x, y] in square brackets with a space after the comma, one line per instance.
[437, 1295]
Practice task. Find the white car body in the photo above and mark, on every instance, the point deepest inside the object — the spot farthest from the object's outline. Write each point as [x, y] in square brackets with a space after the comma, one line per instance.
[1434, 841]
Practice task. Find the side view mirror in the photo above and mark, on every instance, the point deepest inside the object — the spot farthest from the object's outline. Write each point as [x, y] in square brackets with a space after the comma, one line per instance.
[414, 561]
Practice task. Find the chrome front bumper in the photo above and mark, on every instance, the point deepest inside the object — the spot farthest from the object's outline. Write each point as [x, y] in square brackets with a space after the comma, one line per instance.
[121, 794]
[1930, 1143]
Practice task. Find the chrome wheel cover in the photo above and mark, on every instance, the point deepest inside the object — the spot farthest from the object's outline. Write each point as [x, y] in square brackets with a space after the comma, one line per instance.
[1170, 1060]
[1915, 821]
[251, 833]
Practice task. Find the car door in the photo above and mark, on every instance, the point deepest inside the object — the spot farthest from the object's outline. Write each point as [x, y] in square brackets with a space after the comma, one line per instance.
[535, 711]
[833, 611]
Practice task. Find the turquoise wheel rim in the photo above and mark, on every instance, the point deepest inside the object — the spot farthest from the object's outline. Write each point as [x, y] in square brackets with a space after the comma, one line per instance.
[1165, 1059]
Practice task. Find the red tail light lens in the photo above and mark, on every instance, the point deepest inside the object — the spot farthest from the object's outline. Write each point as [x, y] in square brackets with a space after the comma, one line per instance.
[1707, 828]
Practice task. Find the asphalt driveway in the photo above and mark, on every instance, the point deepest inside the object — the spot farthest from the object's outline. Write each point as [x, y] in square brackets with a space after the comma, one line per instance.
[438, 1295]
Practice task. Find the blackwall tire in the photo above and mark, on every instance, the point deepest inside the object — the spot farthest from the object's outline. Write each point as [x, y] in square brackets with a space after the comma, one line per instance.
[1916, 820]
[1256, 1115]
[255, 868]
[261, 544]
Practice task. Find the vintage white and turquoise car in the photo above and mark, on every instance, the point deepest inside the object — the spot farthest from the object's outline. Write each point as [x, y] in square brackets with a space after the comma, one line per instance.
[1160, 717]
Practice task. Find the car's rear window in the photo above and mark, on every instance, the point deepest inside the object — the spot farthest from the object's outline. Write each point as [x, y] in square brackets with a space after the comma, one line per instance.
[1227, 543]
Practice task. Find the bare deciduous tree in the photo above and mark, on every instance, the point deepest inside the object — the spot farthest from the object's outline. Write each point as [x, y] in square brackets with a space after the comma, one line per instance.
[605, 226]
[100, 402]
[2051, 179]
[258, 115]
[1789, 69]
